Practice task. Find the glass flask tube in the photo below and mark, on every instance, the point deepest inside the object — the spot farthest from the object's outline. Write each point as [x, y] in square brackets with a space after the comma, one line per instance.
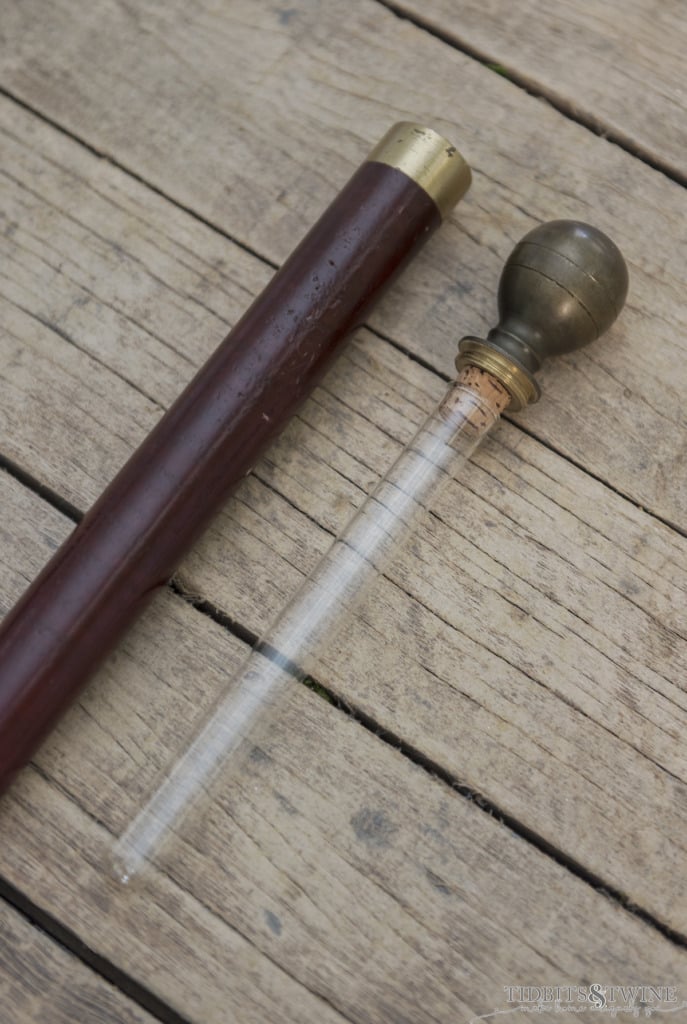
[319, 608]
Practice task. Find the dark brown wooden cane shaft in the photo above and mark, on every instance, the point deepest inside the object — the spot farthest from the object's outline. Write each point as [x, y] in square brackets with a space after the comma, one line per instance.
[132, 539]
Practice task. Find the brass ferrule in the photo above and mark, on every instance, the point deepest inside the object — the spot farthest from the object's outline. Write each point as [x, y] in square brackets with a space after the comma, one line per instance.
[429, 159]
[518, 381]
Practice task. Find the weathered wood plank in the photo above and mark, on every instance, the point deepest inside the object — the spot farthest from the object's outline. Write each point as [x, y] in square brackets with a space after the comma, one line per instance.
[536, 595]
[331, 880]
[240, 111]
[42, 981]
[619, 64]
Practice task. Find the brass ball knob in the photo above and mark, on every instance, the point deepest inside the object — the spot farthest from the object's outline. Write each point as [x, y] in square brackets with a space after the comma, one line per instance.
[562, 286]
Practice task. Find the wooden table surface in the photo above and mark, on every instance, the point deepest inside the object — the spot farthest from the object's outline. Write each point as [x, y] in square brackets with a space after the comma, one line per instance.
[498, 795]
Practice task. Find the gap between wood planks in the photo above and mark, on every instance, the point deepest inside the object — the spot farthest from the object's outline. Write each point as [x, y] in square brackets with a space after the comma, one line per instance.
[51, 925]
[100, 965]
[585, 119]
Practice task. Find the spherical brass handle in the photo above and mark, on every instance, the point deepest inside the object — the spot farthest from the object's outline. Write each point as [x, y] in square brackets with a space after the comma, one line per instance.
[562, 286]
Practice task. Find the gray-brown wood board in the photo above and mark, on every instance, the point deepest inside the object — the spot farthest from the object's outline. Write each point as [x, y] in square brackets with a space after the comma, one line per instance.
[42, 981]
[528, 646]
[617, 66]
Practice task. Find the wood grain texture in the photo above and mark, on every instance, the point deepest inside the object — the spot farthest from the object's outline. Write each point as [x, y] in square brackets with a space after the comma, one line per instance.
[42, 981]
[330, 880]
[252, 115]
[534, 595]
[617, 65]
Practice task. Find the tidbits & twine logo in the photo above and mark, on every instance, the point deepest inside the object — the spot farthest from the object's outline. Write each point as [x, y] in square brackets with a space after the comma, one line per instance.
[613, 999]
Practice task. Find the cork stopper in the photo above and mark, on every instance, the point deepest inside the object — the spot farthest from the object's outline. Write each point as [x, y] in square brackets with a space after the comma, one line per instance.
[489, 388]
[487, 400]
